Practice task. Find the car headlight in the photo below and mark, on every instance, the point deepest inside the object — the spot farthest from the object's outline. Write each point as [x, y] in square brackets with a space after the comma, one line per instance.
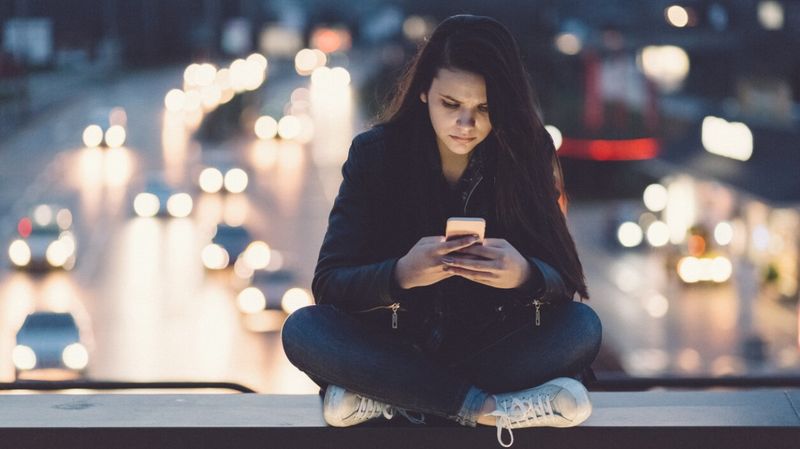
[179, 205]
[23, 357]
[20, 253]
[211, 180]
[57, 253]
[236, 180]
[146, 205]
[215, 257]
[75, 356]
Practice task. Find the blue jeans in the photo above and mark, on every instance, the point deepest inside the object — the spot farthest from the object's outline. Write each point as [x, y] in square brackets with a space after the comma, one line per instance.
[335, 347]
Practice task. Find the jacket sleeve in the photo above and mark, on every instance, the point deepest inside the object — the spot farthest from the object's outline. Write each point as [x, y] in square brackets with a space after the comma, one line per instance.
[545, 284]
[345, 276]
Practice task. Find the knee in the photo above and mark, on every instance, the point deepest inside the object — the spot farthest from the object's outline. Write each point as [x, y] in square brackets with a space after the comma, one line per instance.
[296, 330]
[588, 327]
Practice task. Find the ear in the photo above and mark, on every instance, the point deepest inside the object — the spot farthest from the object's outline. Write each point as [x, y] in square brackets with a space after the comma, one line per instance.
[423, 97]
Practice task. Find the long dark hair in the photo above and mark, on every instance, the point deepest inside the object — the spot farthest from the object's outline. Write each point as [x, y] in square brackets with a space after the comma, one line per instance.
[530, 188]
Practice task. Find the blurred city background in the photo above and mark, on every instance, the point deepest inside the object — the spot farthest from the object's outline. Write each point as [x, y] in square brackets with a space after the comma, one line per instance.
[167, 168]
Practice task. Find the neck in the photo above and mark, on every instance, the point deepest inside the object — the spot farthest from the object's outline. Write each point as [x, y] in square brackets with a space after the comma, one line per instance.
[453, 165]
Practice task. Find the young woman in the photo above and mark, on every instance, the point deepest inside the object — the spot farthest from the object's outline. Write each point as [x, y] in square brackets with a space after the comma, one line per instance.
[480, 332]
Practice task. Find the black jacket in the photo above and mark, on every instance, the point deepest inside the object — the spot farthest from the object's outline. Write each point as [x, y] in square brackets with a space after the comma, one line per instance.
[390, 197]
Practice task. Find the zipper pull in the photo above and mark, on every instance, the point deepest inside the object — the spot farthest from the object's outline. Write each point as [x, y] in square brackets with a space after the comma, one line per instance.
[394, 308]
[538, 312]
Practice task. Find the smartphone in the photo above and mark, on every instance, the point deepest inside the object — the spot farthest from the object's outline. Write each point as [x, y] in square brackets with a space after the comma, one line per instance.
[463, 226]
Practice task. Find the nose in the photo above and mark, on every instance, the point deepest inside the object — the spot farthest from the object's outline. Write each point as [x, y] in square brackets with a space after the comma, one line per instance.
[466, 118]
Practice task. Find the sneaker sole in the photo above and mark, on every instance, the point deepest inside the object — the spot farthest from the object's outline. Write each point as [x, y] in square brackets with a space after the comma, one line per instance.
[332, 395]
[581, 396]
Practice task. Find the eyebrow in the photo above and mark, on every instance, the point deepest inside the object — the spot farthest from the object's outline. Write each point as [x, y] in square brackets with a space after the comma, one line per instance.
[459, 101]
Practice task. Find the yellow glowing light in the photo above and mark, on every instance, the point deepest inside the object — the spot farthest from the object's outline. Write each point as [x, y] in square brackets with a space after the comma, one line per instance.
[629, 234]
[656, 306]
[728, 139]
[677, 16]
[67, 243]
[146, 204]
[236, 180]
[275, 261]
[115, 136]
[305, 62]
[655, 197]
[192, 101]
[289, 127]
[555, 134]
[721, 269]
[174, 100]
[23, 357]
[75, 356]
[569, 44]
[43, 215]
[179, 205]
[190, 75]
[266, 127]
[206, 74]
[415, 28]
[251, 300]
[321, 77]
[295, 298]
[211, 180]
[211, 96]
[257, 255]
[242, 270]
[92, 136]
[215, 257]
[20, 253]
[723, 233]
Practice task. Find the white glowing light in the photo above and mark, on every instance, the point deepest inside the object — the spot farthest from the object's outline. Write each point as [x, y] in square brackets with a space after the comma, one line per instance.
[770, 15]
[257, 255]
[75, 356]
[555, 134]
[20, 253]
[92, 136]
[266, 127]
[666, 65]
[257, 60]
[723, 233]
[190, 75]
[146, 204]
[289, 127]
[569, 44]
[251, 300]
[206, 74]
[340, 76]
[57, 253]
[658, 234]
[657, 306]
[728, 139]
[692, 269]
[236, 180]
[64, 219]
[179, 205]
[305, 62]
[115, 136]
[215, 257]
[211, 180]
[43, 215]
[321, 77]
[629, 234]
[23, 357]
[174, 100]
[677, 16]
[655, 197]
[295, 298]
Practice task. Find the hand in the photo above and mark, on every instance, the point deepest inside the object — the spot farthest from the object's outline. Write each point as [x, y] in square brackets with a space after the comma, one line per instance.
[500, 264]
[423, 264]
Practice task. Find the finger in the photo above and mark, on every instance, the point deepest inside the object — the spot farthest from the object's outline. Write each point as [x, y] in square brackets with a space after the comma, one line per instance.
[489, 266]
[496, 243]
[482, 251]
[431, 239]
[456, 244]
[477, 276]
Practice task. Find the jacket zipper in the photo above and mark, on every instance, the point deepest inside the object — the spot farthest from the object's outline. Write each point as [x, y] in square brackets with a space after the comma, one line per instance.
[538, 305]
[469, 195]
[394, 307]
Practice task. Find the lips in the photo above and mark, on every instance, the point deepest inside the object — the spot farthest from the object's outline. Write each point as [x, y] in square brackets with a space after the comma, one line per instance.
[462, 139]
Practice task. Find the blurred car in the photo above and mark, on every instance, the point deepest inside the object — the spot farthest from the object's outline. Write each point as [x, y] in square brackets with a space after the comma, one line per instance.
[49, 343]
[266, 291]
[44, 240]
[159, 199]
[234, 245]
[111, 136]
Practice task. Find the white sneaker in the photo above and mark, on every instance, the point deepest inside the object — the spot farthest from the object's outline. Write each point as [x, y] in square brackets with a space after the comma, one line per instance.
[561, 402]
[342, 408]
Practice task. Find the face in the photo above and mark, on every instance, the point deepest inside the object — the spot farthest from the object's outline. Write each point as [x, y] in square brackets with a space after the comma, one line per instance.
[459, 110]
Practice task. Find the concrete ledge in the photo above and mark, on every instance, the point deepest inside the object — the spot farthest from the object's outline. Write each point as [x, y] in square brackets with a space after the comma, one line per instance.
[659, 419]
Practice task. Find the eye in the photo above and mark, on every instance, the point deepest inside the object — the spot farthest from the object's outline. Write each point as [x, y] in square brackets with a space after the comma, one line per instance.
[483, 108]
[449, 105]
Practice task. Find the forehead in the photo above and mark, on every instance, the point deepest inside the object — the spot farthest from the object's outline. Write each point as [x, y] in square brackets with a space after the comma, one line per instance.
[460, 85]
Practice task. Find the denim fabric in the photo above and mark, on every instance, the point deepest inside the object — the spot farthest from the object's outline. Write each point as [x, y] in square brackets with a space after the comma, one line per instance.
[335, 347]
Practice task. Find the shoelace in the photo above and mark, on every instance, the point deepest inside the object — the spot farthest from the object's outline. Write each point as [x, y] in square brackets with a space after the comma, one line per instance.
[522, 411]
[370, 408]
